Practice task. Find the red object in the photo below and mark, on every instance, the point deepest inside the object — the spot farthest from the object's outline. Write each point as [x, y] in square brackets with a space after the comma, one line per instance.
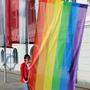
[14, 21]
[31, 20]
[24, 72]
[7, 23]
[42, 0]
[32, 72]
[38, 40]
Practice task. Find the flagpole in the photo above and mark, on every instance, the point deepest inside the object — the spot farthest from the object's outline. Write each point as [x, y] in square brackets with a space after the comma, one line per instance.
[5, 70]
[4, 15]
[26, 12]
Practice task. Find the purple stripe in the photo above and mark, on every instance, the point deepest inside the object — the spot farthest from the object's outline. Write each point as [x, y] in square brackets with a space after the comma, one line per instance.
[77, 44]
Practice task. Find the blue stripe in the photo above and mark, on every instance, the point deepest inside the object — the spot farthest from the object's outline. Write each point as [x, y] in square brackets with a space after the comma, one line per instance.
[69, 47]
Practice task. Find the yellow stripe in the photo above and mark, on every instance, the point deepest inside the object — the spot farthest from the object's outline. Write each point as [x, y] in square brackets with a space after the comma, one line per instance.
[42, 56]
[52, 46]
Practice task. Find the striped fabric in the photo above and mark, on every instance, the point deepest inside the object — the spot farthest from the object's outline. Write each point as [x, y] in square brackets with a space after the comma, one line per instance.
[59, 34]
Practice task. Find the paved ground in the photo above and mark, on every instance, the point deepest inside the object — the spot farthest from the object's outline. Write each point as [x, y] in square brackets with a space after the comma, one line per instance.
[13, 82]
[82, 89]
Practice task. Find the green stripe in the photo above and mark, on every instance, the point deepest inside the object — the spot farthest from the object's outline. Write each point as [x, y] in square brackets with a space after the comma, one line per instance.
[52, 45]
[61, 46]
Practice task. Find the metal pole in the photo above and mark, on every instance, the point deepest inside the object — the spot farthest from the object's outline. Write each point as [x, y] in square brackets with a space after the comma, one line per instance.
[26, 27]
[5, 70]
[4, 19]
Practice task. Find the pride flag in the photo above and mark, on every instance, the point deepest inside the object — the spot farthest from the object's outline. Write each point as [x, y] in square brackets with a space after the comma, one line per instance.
[59, 34]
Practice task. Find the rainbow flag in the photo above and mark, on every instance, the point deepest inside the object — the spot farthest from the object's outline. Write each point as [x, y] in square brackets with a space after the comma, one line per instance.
[59, 34]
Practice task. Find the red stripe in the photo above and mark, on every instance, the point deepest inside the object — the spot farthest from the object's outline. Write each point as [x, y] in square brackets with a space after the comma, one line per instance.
[42, 0]
[38, 40]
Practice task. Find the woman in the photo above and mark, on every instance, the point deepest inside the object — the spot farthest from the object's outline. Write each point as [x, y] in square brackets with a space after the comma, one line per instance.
[25, 66]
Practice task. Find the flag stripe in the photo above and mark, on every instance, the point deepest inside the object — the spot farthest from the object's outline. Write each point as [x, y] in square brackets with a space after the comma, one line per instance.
[69, 47]
[61, 45]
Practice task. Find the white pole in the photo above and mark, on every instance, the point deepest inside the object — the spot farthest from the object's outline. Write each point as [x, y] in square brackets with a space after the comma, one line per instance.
[4, 21]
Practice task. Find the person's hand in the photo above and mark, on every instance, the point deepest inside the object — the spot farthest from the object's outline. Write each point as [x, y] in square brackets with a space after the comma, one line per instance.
[26, 81]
